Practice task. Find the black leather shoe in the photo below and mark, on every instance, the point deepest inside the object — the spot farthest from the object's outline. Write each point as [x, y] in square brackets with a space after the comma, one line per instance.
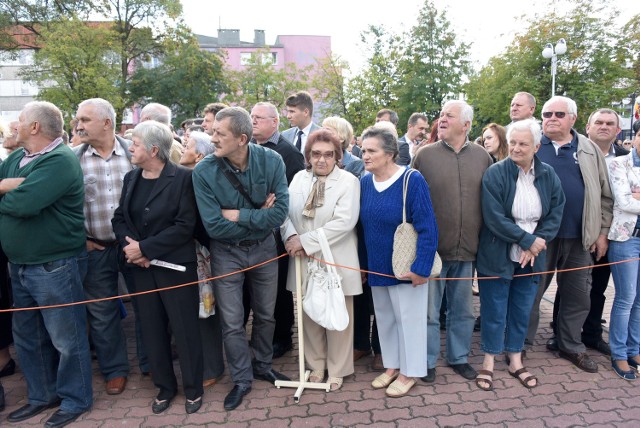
[160, 406]
[8, 369]
[192, 406]
[581, 360]
[464, 370]
[234, 398]
[552, 344]
[61, 419]
[271, 376]
[281, 348]
[477, 325]
[430, 377]
[29, 410]
[600, 346]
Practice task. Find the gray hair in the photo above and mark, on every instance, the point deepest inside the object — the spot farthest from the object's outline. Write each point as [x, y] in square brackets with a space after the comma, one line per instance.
[530, 98]
[239, 121]
[103, 107]
[571, 105]
[604, 111]
[204, 146]
[273, 110]
[157, 112]
[48, 116]
[388, 141]
[466, 111]
[530, 125]
[153, 133]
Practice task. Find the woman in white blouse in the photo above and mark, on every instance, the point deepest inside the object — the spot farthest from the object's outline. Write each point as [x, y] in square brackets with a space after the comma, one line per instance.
[624, 236]
[326, 197]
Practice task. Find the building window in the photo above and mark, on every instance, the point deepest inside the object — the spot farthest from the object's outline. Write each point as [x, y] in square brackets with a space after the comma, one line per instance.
[247, 58]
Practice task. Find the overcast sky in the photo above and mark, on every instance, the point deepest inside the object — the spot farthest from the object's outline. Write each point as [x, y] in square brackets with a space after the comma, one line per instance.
[489, 24]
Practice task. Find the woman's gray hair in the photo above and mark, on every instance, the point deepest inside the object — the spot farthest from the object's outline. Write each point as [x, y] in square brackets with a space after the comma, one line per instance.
[103, 107]
[388, 141]
[152, 133]
[204, 146]
[530, 125]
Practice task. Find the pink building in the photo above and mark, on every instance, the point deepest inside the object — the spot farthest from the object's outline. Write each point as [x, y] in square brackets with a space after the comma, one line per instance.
[301, 50]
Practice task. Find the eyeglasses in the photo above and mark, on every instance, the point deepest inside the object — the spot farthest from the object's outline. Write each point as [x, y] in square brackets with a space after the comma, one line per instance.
[549, 114]
[326, 155]
[261, 117]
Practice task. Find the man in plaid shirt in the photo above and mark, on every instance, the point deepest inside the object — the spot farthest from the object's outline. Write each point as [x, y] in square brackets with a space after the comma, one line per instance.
[105, 160]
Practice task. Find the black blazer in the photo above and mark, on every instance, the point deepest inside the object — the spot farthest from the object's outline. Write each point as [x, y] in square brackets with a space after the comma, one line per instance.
[169, 219]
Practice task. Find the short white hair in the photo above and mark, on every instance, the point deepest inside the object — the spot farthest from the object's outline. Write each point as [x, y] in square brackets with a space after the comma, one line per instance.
[526, 125]
[572, 107]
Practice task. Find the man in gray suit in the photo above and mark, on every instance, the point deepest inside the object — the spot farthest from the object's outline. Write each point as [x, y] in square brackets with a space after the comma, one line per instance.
[299, 113]
[417, 127]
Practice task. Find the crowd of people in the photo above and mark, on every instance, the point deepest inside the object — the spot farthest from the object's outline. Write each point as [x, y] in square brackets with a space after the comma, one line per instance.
[152, 210]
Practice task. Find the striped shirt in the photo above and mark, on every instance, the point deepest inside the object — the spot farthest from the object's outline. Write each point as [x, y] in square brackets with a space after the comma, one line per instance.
[102, 188]
[527, 209]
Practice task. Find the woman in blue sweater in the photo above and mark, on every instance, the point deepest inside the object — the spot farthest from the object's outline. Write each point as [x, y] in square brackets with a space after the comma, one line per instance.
[522, 203]
[400, 304]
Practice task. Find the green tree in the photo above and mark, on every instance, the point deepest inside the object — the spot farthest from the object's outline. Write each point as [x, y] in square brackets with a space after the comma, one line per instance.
[260, 80]
[592, 71]
[328, 81]
[376, 86]
[433, 65]
[77, 61]
[186, 80]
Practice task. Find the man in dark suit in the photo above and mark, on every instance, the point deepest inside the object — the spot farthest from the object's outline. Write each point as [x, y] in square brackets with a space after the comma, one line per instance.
[602, 128]
[417, 127]
[299, 114]
[404, 153]
[265, 120]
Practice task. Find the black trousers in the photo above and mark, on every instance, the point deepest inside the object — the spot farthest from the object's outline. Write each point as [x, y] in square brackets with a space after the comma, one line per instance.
[6, 336]
[362, 311]
[592, 327]
[179, 309]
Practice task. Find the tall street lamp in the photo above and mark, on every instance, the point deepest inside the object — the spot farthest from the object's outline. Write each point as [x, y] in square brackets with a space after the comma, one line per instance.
[550, 52]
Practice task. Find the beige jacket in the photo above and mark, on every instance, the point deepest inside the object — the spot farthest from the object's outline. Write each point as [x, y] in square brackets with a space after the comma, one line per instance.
[598, 199]
[337, 217]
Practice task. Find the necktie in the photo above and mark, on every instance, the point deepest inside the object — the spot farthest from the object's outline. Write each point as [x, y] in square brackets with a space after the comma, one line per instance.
[299, 142]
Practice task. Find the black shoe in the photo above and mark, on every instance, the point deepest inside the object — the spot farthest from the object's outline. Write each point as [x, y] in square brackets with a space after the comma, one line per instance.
[160, 406]
[430, 377]
[192, 406]
[552, 344]
[476, 325]
[630, 374]
[61, 419]
[632, 363]
[29, 410]
[581, 360]
[464, 370]
[281, 348]
[234, 398]
[600, 346]
[271, 376]
[8, 369]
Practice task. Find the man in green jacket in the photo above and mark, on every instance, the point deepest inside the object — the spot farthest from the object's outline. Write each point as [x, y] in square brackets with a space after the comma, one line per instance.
[42, 233]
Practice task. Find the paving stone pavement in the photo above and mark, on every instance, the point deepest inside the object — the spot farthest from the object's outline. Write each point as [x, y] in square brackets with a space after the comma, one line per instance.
[566, 396]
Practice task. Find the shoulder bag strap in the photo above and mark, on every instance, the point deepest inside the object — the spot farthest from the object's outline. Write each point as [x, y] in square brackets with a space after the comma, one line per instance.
[405, 185]
[235, 182]
[326, 251]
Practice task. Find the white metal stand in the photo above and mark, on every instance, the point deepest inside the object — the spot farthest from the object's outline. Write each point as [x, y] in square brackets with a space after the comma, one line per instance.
[304, 375]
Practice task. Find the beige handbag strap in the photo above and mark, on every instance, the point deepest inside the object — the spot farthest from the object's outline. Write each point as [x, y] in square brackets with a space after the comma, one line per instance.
[405, 185]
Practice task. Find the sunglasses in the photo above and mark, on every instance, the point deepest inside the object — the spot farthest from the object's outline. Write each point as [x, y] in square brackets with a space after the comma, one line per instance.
[549, 114]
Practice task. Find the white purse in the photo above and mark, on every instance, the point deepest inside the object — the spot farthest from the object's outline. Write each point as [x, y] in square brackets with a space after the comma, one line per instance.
[323, 300]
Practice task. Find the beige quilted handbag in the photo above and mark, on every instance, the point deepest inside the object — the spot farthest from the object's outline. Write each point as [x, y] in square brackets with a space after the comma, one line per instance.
[405, 240]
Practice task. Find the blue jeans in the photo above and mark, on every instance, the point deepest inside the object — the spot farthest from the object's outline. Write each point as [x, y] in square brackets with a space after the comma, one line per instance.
[52, 344]
[505, 306]
[460, 317]
[105, 326]
[263, 286]
[624, 331]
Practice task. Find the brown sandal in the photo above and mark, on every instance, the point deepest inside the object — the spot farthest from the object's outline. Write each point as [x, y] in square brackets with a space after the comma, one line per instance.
[487, 379]
[526, 380]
